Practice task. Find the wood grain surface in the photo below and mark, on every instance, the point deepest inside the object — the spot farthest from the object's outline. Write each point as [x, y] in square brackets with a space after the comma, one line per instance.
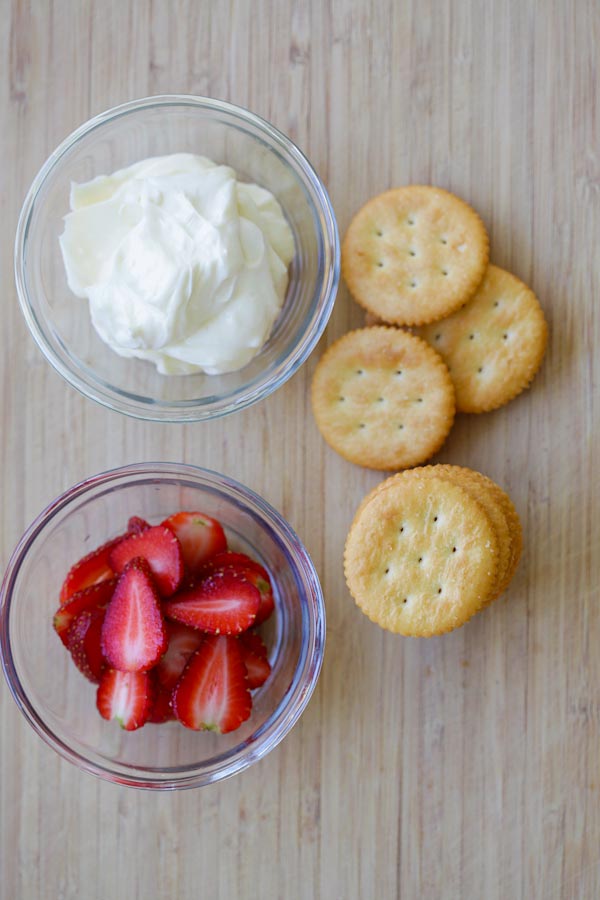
[461, 767]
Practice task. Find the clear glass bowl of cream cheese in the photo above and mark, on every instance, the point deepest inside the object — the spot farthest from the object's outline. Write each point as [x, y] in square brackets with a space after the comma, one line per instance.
[177, 258]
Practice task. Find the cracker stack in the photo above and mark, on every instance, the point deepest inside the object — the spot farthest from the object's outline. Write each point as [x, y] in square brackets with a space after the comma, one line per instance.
[430, 547]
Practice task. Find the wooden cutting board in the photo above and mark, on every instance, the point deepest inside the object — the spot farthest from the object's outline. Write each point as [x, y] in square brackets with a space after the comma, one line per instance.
[461, 767]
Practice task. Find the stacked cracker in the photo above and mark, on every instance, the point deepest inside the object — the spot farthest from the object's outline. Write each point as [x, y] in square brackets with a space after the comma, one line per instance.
[430, 547]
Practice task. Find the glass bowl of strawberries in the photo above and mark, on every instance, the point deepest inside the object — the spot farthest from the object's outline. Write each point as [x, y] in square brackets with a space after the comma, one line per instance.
[161, 626]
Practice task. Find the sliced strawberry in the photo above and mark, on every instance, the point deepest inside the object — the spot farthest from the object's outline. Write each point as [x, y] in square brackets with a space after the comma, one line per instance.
[258, 667]
[229, 559]
[127, 697]
[162, 711]
[199, 535]
[136, 525]
[92, 569]
[222, 603]
[253, 572]
[183, 641]
[133, 634]
[213, 691]
[83, 642]
[160, 548]
[88, 599]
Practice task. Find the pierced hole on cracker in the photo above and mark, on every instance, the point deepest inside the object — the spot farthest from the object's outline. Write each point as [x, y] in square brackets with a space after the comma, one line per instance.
[439, 590]
[496, 303]
[342, 399]
[401, 529]
[362, 425]
[380, 399]
[435, 518]
[380, 264]
[454, 549]
[412, 252]
[398, 371]
[400, 427]
[444, 271]
[387, 571]
[411, 220]
[413, 283]
[419, 399]
[438, 337]
[420, 559]
[405, 600]
[505, 337]
[471, 337]
[480, 369]
[360, 372]
[443, 240]
[379, 233]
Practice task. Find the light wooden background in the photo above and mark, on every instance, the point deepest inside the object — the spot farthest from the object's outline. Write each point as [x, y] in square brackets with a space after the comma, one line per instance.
[462, 767]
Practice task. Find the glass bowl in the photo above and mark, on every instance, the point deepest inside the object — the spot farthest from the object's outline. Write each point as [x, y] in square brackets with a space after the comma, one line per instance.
[60, 322]
[55, 697]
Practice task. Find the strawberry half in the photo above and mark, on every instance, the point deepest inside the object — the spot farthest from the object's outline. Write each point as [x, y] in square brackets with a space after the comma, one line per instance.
[127, 697]
[183, 641]
[213, 691]
[222, 603]
[258, 667]
[230, 559]
[199, 535]
[92, 569]
[133, 634]
[136, 525]
[160, 548]
[162, 711]
[83, 643]
[88, 599]
[253, 572]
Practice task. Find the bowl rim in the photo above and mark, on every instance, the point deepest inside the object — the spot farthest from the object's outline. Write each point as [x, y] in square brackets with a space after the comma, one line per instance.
[290, 707]
[181, 411]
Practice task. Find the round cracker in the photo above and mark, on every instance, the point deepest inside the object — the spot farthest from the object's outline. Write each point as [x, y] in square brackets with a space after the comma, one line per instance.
[382, 398]
[497, 505]
[494, 345]
[421, 556]
[414, 254]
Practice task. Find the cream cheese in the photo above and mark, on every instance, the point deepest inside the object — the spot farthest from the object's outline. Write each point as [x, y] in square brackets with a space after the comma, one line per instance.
[182, 264]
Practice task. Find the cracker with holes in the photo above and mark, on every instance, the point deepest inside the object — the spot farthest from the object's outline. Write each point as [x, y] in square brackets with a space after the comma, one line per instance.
[421, 556]
[499, 508]
[414, 254]
[382, 398]
[494, 345]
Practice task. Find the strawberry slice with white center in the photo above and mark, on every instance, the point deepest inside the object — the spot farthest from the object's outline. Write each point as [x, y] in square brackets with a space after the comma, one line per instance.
[183, 641]
[133, 633]
[161, 550]
[89, 598]
[83, 643]
[253, 572]
[222, 603]
[92, 569]
[212, 694]
[127, 697]
[200, 537]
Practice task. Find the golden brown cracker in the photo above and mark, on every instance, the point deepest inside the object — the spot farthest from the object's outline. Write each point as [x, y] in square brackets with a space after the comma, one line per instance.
[421, 556]
[382, 398]
[414, 254]
[494, 345]
[498, 506]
